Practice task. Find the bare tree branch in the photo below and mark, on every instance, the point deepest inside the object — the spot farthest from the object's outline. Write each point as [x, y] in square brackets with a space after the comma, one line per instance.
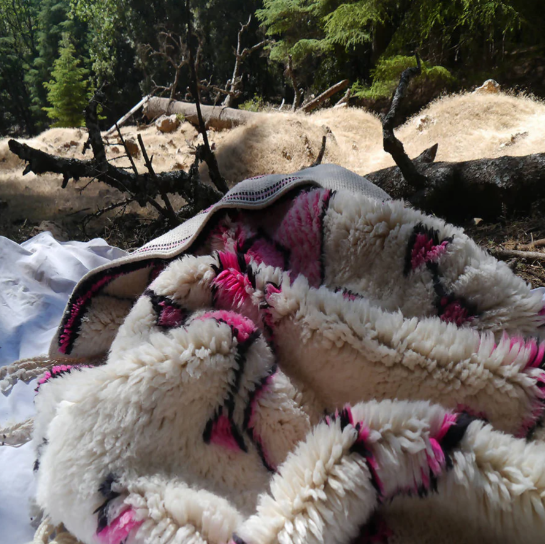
[205, 152]
[233, 87]
[170, 213]
[174, 51]
[133, 166]
[391, 144]
[320, 156]
[142, 188]
[298, 94]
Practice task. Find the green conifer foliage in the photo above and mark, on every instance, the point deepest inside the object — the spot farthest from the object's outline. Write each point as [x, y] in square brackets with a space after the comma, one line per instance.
[68, 91]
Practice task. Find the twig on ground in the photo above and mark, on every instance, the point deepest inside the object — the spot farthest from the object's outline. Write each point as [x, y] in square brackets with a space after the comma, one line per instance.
[506, 254]
[533, 244]
[109, 208]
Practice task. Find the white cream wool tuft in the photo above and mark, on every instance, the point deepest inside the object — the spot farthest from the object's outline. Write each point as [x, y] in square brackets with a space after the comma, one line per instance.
[341, 369]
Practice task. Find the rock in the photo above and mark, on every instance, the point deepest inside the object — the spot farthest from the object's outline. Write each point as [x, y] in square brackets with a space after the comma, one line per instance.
[489, 86]
[132, 147]
[114, 149]
[514, 138]
[200, 141]
[171, 143]
[167, 123]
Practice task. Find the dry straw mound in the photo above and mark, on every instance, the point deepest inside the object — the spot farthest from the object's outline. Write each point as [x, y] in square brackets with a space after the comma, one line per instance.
[466, 126]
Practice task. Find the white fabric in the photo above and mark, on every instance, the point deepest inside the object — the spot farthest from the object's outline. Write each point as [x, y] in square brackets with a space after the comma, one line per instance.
[36, 279]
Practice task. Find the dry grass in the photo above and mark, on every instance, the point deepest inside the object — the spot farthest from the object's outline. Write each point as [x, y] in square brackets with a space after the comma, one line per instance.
[466, 126]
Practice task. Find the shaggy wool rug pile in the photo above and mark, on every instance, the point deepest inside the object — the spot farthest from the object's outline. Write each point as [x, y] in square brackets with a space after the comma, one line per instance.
[308, 361]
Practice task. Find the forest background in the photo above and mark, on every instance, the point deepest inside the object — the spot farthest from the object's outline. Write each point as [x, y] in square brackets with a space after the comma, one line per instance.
[51, 47]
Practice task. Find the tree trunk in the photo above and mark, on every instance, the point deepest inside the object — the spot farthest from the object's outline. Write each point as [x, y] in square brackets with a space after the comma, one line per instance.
[215, 116]
[479, 188]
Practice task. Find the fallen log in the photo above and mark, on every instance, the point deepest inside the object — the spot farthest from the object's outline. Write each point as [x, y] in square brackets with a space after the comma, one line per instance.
[217, 117]
[456, 191]
[313, 104]
[478, 188]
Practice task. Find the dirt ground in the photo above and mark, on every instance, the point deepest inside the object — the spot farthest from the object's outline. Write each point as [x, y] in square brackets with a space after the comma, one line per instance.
[466, 126]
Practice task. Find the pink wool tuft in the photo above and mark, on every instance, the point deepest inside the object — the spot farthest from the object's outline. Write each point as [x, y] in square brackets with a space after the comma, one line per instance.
[233, 287]
[535, 357]
[448, 421]
[229, 261]
[436, 461]
[242, 326]
[425, 251]
[119, 529]
[222, 434]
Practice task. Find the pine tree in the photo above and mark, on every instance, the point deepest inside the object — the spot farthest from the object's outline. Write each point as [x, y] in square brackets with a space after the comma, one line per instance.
[68, 91]
[53, 20]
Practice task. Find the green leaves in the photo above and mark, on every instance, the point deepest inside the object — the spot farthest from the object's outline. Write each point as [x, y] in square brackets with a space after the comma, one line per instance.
[388, 71]
[68, 91]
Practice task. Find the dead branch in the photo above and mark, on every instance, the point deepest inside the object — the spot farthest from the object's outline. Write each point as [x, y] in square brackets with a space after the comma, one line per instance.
[142, 188]
[168, 211]
[102, 211]
[456, 191]
[128, 153]
[533, 245]
[505, 254]
[234, 85]
[344, 100]
[391, 144]
[298, 93]
[205, 153]
[173, 51]
[319, 100]
[320, 156]
[123, 119]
